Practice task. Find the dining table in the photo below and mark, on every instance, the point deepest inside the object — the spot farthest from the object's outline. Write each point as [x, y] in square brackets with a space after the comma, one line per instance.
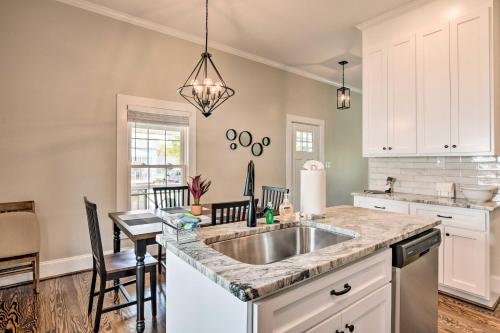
[141, 227]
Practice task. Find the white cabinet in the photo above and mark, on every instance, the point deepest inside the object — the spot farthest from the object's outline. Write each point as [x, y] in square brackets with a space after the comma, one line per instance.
[402, 113]
[389, 99]
[470, 83]
[375, 101]
[370, 314]
[433, 90]
[314, 306]
[383, 205]
[464, 254]
[465, 260]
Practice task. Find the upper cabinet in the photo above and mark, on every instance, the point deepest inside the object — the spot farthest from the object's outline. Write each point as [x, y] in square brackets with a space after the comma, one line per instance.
[375, 101]
[471, 107]
[431, 91]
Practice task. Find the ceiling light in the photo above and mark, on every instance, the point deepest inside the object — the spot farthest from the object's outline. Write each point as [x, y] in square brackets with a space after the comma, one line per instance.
[343, 93]
[200, 89]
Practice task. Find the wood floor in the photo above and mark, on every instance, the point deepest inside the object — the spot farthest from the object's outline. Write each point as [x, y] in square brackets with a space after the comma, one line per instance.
[62, 303]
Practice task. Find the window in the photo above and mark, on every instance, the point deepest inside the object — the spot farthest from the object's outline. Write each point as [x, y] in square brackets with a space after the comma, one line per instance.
[304, 141]
[157, 153]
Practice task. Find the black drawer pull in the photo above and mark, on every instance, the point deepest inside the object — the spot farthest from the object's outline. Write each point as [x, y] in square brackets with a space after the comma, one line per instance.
[379, 207]
[445, 217]
[446, 146]
[447, 234]
[384, 148]
[454, 146]
[347, 288]
[350, 327]
[337, 331]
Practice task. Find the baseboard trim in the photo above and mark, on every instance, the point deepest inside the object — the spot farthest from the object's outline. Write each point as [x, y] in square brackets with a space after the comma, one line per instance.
[54, 268]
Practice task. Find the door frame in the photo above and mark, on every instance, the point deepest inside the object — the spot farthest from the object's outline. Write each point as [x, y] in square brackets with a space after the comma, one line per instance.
[290, 120]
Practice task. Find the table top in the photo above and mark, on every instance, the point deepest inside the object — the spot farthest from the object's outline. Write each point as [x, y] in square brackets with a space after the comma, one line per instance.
[149, 228]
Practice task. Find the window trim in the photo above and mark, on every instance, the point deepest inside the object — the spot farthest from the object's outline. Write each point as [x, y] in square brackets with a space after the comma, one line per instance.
[122, 145]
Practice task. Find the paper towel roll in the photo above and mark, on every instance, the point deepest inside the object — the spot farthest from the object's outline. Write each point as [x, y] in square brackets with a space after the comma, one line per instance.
[312, 192]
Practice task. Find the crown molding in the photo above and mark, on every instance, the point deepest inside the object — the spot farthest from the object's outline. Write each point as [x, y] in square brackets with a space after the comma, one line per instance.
[392, 13]
[146, 24]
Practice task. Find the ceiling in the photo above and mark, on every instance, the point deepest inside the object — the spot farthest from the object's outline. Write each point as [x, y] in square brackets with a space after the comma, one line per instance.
[309, 37]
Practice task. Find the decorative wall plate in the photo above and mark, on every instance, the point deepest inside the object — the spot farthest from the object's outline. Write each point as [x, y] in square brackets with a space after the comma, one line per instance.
[257, 149]
[266, 141]
[231, 134]
[245, 138]
[233, 146]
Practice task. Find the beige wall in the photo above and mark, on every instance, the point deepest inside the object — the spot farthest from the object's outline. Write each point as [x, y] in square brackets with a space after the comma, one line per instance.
[61, 68]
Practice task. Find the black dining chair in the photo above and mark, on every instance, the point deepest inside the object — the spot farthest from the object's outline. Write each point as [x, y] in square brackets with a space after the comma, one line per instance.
[113, 267]
[228, 212]
[273, 194]
[169, 197]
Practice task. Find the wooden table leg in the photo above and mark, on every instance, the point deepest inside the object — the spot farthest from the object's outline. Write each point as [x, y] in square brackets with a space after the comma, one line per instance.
[116, 238]
[140, 252]
[116, 249]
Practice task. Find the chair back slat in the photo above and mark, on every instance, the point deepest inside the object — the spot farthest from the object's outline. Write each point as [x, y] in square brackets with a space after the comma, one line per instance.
[229, 212]
[171, 196]
[95, 235]
[273, 194]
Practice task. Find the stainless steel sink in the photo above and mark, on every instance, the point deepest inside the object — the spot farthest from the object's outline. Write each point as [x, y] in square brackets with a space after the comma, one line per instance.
[272, 246]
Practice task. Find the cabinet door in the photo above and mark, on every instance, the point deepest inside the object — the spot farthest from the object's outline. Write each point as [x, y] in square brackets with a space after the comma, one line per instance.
[371, 314]
[470, 83]
[433, 90]
[332, 324]
[465, 260]
[375, 101]
[402, 109]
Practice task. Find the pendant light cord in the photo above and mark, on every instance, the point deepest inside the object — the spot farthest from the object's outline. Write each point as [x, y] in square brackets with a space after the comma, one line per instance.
[206, 26]
[343, 84]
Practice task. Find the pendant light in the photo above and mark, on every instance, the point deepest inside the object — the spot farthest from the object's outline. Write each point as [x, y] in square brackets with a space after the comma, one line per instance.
[343, 93]
[203, 92]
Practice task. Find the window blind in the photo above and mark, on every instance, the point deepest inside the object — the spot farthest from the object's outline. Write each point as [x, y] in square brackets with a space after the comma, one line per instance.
[156, 116]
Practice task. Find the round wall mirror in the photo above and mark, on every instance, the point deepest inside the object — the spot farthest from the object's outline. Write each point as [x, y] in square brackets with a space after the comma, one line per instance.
[233, 146]
[257, 149]
[266, 141]
[231, 134]
[245, 138]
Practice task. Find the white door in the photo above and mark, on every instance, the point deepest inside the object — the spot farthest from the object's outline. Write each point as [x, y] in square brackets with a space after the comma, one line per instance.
[465, 260]
[470, 83]
[402, 104]
[433, 90]
[371, 314]
[305, 146]
[375, 101]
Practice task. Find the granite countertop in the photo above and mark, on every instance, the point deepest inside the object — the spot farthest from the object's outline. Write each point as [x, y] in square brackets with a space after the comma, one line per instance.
[374, 230]
[431, 200]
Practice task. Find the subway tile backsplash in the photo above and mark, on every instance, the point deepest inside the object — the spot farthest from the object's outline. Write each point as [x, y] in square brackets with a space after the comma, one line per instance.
[419, 175]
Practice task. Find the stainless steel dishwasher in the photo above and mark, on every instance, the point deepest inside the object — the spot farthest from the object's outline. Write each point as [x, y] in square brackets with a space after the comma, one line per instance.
[415, 283]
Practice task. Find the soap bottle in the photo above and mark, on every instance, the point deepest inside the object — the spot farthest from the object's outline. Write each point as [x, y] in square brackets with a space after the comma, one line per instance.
[286, 209]
[269, 213]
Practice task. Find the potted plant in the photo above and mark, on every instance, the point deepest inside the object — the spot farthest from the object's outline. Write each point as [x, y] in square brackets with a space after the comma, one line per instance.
[197, 187]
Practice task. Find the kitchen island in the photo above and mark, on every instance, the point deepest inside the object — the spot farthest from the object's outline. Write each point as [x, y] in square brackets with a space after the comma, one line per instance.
[326, 289]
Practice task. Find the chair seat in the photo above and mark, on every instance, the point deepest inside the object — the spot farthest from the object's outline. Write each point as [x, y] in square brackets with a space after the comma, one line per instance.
[125, 261]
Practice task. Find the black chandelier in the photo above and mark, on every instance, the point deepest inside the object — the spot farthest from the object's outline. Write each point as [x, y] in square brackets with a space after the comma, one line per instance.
[343, 93]
[199, 89]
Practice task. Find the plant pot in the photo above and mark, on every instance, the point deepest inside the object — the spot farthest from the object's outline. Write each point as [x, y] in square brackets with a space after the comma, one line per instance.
[196, 210]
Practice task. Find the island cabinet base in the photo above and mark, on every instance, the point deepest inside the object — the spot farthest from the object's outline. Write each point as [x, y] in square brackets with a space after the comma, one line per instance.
[358, 294]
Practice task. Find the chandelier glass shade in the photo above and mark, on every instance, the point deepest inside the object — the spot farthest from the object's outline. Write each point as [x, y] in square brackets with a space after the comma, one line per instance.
[199, 89]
